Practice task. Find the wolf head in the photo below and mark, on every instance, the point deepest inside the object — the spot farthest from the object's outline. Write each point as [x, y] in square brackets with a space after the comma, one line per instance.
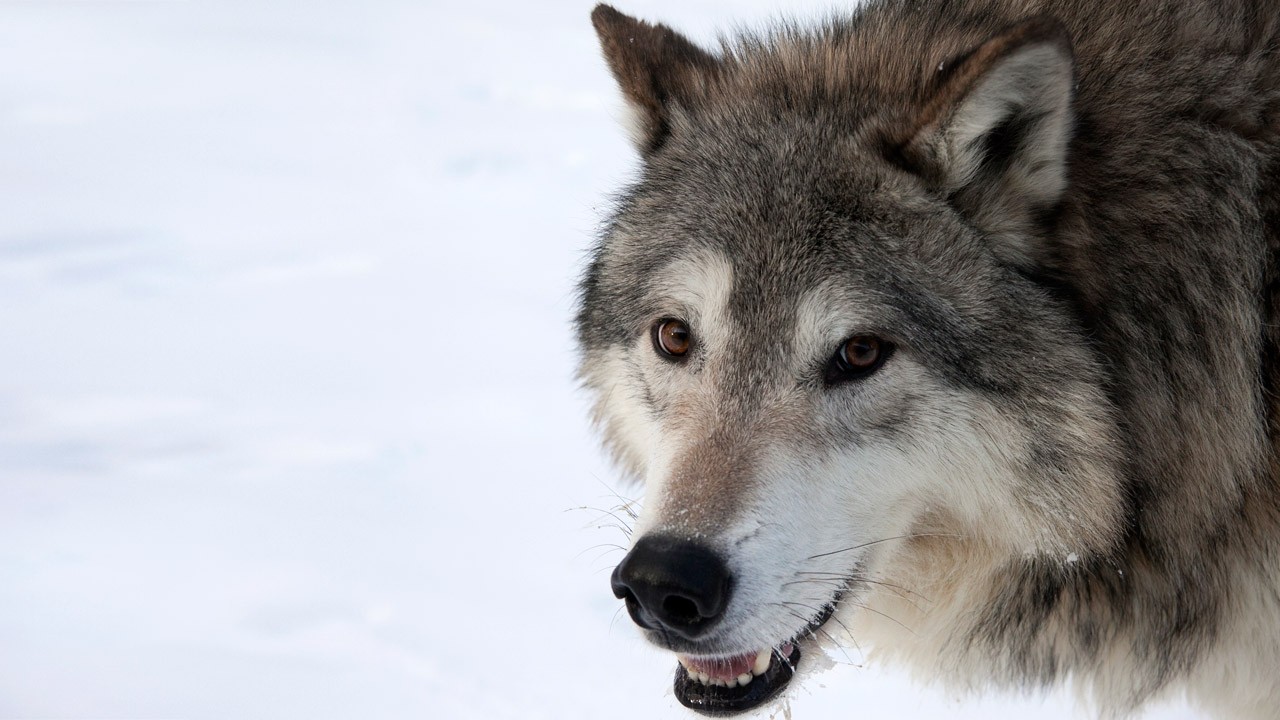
[818, 332]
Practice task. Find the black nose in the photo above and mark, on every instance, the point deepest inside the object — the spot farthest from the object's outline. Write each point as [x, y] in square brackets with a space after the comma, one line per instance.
[672, 584]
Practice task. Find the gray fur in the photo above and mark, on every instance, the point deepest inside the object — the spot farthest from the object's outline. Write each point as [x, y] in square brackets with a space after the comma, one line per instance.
[1126, 318]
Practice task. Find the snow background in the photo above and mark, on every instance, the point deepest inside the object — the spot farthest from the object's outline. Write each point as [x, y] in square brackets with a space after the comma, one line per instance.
[287, 421]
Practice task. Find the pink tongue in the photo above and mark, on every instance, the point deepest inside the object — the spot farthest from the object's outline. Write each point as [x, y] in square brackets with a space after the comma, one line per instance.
[721, 668]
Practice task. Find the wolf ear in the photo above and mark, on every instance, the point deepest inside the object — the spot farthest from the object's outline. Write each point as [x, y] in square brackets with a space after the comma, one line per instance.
[657, 68]
[994, 137]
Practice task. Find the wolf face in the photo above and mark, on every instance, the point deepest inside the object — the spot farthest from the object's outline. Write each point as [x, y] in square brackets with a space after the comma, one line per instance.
[813, 330]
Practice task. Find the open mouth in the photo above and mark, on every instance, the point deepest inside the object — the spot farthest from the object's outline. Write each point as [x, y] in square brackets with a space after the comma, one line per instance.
[726, 685]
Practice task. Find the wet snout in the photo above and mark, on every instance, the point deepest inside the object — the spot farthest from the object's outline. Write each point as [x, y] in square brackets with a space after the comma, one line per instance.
[675, 585]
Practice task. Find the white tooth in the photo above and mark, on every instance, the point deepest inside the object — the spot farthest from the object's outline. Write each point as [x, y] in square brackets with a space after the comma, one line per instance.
[744, 679]
[703, 678]
[731, 682]
[762, 662]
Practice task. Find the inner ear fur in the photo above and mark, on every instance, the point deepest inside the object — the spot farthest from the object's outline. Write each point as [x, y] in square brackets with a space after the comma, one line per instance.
[994, 136]
[657, 68]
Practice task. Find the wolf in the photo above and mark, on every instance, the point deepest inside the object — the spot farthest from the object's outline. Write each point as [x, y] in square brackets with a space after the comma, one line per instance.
[952, 329]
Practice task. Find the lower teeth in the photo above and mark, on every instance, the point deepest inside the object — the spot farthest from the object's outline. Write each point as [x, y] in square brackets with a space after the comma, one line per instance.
[762, 662]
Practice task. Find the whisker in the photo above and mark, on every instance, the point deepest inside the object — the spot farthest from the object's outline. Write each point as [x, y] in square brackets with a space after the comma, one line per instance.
[842, 581]
[833, 617]
[883, 615]
[627, 502]
[882, 540]
[618, 523]
[624, 529]
[808, 630]
[830, 637]
[624, 526]
[897, 587]
[616, 613]
[612, 546]
[898, 593]
[803, 619]
[603, 555]
[831, 582]
[862, 578]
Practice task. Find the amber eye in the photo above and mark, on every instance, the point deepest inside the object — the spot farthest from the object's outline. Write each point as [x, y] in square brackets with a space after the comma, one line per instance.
[672, 338]
[857, 357]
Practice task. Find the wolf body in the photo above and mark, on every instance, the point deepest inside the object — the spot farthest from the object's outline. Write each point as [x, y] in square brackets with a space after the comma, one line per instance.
[1057, 225]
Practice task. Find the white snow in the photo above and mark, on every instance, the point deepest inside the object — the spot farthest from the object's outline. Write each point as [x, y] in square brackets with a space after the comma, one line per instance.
[287, 421]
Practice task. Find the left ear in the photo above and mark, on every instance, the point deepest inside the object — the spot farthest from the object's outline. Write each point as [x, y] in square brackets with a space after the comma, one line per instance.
[658, 69]
[994, 137]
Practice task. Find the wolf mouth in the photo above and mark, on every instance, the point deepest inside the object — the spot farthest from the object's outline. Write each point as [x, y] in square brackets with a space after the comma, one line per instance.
[730, 684]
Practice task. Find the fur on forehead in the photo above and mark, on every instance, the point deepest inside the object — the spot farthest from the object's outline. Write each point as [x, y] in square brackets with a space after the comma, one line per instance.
[890, 248]
[695, 283]
[880, 76]
[980, 118]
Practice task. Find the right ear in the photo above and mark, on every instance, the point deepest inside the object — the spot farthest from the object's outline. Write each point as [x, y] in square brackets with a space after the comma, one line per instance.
[995, 137]
[658, 69]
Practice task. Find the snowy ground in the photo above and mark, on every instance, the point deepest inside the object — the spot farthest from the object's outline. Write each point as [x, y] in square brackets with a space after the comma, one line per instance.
[287, 424]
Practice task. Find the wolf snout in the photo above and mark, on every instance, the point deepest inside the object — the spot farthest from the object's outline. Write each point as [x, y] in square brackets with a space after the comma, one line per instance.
[674, 585]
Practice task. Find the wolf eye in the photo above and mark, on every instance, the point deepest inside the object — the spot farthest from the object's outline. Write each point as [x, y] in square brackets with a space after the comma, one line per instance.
[672, 338]
[856, 358]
